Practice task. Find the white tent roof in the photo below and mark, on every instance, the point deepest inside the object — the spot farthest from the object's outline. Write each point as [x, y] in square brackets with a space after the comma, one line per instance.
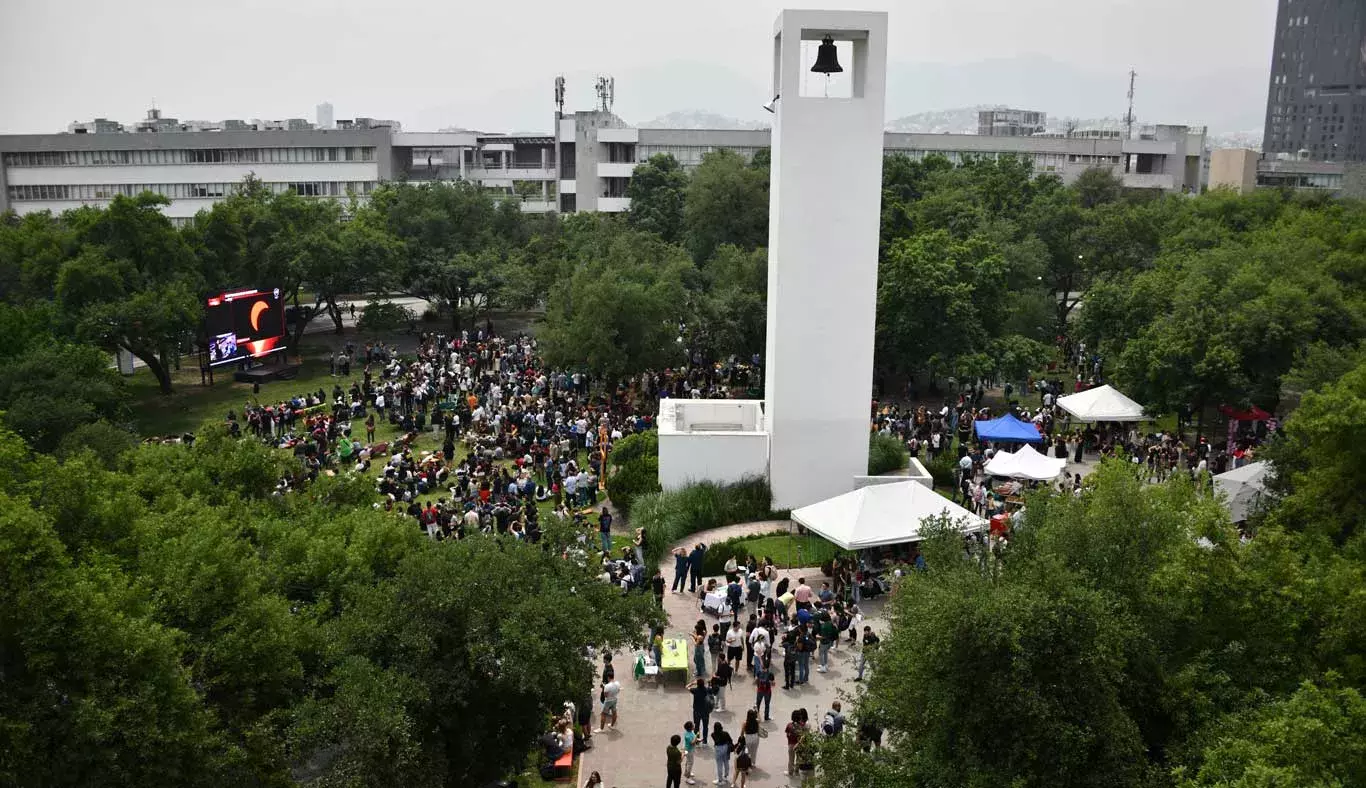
[1026, 463]
[1242, 488]
[1102, 403]
[881, 515]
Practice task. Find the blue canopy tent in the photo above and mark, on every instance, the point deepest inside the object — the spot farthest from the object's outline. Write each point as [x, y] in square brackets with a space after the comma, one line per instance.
[1008, 429]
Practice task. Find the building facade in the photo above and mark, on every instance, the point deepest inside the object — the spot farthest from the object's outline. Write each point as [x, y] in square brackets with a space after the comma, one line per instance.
[585, 165]
[1011, 122]
[1316, 99]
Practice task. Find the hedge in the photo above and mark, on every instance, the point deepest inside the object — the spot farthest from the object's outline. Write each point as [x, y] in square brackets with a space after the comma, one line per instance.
[943, 469]
[629, 482]
[672, 516]
[742, 547]
[886, 454]
[633, 447]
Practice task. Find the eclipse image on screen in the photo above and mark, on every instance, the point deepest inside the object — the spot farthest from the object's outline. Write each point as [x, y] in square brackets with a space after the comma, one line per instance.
[243, 324]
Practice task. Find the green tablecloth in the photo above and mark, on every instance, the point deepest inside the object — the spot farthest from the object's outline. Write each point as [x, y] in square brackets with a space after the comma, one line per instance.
[675, 656]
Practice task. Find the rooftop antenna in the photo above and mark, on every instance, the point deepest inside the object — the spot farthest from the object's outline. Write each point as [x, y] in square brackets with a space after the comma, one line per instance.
[1129, 116]
[605, 88]
[559, 93]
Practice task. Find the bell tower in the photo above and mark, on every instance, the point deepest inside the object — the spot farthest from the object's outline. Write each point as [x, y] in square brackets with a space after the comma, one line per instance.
[829, 74]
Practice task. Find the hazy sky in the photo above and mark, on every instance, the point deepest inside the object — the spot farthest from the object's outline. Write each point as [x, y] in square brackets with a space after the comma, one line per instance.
[491, 65]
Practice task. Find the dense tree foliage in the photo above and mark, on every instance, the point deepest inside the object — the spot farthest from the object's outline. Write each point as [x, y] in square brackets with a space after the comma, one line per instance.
[172, 622]
[1130, 637]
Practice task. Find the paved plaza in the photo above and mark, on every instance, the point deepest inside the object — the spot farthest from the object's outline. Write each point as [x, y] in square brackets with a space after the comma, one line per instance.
[632, 756]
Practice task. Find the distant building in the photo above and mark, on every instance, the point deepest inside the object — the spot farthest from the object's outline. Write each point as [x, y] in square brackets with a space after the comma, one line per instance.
[1233, 168]
[1011, 122]
[155, 122]
[324, 116]
[1316, 99]
[1244, 170]
[96, 126]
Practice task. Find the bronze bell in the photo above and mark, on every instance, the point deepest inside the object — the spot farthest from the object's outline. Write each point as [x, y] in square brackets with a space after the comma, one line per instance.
[827, 59]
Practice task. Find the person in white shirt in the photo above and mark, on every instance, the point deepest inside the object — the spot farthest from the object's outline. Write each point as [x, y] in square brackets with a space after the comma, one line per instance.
[610, 691]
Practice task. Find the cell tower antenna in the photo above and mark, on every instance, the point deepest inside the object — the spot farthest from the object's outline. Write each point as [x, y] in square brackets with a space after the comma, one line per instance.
[559, 93]
[605, 90]
[1129, 116]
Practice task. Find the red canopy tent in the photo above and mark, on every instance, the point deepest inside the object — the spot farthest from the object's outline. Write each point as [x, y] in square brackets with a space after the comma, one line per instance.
[1253, 413]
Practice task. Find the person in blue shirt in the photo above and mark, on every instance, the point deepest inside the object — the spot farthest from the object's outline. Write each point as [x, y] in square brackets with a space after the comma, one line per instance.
[695, 566]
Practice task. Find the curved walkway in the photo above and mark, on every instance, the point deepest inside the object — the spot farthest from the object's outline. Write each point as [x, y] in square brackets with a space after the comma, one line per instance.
[632, 756]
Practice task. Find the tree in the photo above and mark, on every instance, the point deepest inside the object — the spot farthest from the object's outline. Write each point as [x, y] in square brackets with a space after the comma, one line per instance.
[726, 202]
[384, 316]
[1097, 186]
[656, 190]
[620, 313]
[133, 288]
[54, 388]
[1316, 738]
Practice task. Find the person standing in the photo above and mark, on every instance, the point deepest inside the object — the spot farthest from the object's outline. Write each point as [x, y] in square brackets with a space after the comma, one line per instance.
[790, 660]
[828, 635]
[689, 746]
[699, 649]
[680, 570]
[806, 643]
[763, 690]
[719, 682]
[744, 761]
[870, 641]
[750, 733]
[721, 743]
[610, 691]
[657, 586]
[605, 529]
[695, 566]
[794, 731]
[673, 763]
[735, 644]
[702, 700]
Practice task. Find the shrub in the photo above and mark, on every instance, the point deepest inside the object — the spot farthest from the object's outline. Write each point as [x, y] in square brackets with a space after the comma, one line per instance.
[886, 454]
[816, 551]
[638, 477]
[430, 315]
[942, 469]
[107, 441]
[669, 517]
[631, 447]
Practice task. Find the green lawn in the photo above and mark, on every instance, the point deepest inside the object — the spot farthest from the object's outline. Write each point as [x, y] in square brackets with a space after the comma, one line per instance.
[190, 405]
[793, 550]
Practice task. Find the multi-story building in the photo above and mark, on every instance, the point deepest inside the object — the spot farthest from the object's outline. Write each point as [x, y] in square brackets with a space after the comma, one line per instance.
[585, 165]
[1244, 170]
[1316, 99]
[1005, 122]
[598, 152]
[198, 163]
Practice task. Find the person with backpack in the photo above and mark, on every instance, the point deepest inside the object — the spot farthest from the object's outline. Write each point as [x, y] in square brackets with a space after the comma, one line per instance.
[744, 761]
[703, 700]
[763, 690]
[833, 724]
[806, 644]
[719, 681]
[794, 731]
[715, 644]
[790, 660]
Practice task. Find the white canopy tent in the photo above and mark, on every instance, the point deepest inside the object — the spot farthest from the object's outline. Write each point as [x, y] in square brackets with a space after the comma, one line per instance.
[1242, 488]
[1025, 463]
[1102, 403]
[880, 515]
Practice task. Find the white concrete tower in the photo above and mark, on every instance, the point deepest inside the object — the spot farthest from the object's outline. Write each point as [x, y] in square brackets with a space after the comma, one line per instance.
[824, 208]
